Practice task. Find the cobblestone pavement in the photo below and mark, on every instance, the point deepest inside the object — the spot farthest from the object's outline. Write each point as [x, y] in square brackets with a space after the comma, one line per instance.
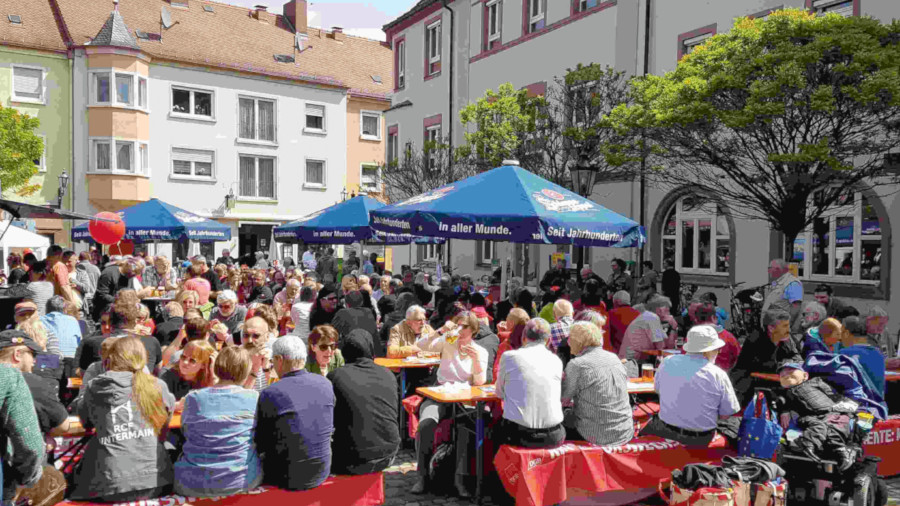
[401, 477]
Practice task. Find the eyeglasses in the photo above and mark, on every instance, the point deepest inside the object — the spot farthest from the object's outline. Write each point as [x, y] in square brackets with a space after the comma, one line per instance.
[252, 335]
[418, 320]
[326, 347]
[330, 299]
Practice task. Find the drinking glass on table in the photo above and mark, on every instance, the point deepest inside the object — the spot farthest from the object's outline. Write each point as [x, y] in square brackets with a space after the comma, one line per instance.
[647, 372]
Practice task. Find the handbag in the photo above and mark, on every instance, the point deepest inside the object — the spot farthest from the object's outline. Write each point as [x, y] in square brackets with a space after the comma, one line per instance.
[760, 431]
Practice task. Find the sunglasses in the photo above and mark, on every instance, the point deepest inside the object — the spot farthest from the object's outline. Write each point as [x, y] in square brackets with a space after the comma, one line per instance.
[326, 347]
[252, 335]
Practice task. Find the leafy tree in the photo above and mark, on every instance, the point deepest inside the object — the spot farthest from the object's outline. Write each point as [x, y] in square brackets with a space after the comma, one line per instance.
[417, 172]
[778, 116]
[19, 148]
[586, 96]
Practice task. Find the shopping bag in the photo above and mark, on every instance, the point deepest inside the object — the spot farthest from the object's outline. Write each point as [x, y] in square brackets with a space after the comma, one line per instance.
[760, 494]
[760, 432]
[706, 496]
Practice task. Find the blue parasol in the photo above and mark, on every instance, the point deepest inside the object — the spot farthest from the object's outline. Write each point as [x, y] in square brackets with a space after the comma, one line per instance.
[156, 220]
[344, 223]
[513, 205]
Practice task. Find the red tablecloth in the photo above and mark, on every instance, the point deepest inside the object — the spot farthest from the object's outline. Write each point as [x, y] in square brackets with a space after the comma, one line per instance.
[884, 442]
[542, 477]
[365, 490]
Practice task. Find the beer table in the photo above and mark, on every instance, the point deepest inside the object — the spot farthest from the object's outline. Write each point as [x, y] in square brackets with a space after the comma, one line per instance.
[74, 383]
[78, 430]
[479, 395]
[889, 376]
[661, 353]
[400, 364]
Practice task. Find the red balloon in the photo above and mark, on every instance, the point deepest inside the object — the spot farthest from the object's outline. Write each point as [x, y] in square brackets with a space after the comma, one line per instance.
[125, 247]
[106, 232]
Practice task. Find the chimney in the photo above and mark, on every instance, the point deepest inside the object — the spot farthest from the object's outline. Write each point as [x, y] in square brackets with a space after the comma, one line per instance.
[261, 13]
[295, 11]
[338, 33]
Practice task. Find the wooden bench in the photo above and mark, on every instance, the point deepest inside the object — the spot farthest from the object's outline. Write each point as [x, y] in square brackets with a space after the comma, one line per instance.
[539, 477]
[363, 490]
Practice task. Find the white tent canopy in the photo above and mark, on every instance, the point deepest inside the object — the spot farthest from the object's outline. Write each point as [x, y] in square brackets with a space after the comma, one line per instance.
[17, 237]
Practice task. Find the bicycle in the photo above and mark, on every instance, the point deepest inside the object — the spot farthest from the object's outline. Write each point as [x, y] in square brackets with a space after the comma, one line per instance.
[746, 308]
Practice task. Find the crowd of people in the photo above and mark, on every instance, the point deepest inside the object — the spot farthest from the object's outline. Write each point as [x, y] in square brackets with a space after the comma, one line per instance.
[271, 367]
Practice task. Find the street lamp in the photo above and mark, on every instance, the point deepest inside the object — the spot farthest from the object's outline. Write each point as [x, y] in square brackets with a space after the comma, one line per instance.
[63, 186]
[583, 178]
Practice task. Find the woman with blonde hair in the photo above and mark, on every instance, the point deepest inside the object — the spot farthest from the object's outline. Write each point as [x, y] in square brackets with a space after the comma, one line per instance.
[193, 370]
[130, 410]
[219, 456]
[189, 299]
[28, 320]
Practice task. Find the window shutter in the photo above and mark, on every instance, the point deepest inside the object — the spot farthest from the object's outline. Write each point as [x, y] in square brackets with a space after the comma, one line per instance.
[420, 252]
[27, 82]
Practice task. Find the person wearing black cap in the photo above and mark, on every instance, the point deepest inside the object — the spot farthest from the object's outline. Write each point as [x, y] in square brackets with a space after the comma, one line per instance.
[18, 350]
[366, 410]
[822, 414]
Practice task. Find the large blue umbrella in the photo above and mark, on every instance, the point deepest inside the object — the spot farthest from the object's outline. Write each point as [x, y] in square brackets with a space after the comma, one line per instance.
[156, 220]
[344, 223]
[513, 205]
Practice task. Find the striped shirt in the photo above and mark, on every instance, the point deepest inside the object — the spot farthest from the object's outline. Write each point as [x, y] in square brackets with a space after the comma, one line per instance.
[597, 383]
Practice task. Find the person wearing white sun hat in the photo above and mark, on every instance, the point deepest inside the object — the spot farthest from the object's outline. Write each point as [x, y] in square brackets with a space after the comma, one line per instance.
[693, 392]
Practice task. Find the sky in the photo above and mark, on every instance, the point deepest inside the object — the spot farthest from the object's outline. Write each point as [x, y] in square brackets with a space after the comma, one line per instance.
[364, 19]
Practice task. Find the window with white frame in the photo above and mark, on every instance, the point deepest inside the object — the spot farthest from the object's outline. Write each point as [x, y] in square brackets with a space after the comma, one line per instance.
[494, 26]
[584, 5]
[256, 119]
[120, 156]
[431, 252]
[315, 118]
[696, 235]
[433, 47]
[257, 177]
[486, 251]
[393, 147]
[370, 125]
[192, 103]
[840, 7]
[370, 178]
[41, 163]
[118, 89]
[401, 64]
[537, 15]
[433, 135]
[688, 45]
[193, 163]
[844, 245]
[28, 84]
[315, 174]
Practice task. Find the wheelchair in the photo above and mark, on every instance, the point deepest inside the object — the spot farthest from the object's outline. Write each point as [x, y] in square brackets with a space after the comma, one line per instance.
[820, 481]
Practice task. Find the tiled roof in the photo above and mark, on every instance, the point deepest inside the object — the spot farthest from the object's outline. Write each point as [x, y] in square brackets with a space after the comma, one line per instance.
[231, 38]
[421, 4]
[38, 29]
[115, 33]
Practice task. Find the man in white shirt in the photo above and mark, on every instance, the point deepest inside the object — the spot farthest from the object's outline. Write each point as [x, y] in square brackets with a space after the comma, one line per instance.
[529, 382]
[300, 313]
[693, 392]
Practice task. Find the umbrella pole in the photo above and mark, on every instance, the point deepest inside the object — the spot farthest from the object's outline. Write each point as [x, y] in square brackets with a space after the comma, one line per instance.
[503, 277]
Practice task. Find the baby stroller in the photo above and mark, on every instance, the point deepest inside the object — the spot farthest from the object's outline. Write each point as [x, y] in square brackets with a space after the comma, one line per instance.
[820, 481]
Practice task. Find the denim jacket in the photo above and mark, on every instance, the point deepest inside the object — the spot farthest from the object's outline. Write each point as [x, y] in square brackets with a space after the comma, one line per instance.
[218, 457]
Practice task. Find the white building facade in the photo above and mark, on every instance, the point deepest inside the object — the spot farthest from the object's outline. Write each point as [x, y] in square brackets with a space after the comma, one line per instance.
[529, 42]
